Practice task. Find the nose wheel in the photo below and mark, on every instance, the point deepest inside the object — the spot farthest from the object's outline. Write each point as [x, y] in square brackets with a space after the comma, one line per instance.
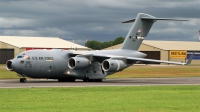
[22, 80]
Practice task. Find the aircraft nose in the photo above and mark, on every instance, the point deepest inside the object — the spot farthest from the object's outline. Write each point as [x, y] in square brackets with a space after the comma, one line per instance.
[11, 65]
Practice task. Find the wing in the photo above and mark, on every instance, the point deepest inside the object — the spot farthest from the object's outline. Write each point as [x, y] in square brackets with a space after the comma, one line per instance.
[152, 60]
[101, 57]
[161, 61]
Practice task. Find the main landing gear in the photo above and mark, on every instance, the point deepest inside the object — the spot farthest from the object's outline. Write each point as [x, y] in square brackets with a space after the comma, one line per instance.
[92, 80]
[67, 80]
[22, 80]
[84, 80]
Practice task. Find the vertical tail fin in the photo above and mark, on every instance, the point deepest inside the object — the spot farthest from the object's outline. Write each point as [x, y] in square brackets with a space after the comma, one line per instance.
[140, 28]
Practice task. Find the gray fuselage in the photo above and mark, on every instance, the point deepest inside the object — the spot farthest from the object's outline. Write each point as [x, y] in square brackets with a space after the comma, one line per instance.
[53, 64]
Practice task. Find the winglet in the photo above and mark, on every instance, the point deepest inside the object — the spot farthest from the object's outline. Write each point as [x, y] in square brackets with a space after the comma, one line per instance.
[190, 59]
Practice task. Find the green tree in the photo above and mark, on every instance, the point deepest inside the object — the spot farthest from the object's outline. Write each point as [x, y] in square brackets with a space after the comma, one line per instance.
[107, 44]
[118, 40]
[96, 45]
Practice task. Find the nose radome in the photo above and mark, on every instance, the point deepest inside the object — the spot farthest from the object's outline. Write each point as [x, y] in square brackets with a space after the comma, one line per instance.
[14, 64]
[11, 65]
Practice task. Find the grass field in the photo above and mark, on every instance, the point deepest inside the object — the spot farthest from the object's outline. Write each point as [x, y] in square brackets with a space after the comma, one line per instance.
[136, 72]
[126, 99]
[5, 74]
[158, 71]
[102, 99]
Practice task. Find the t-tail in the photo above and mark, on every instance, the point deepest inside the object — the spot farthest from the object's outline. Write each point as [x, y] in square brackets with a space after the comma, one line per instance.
[140, 28]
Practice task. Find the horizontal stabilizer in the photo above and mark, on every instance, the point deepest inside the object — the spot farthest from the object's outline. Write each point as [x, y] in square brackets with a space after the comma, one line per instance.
[129, 21]
[169, 19]
[147, 18]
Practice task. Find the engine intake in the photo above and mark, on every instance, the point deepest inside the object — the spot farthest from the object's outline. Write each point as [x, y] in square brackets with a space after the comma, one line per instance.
[113, 65]
[78, 62]
[9, 65]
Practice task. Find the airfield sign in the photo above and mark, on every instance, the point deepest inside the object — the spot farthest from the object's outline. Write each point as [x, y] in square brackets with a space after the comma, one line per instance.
[178, 54]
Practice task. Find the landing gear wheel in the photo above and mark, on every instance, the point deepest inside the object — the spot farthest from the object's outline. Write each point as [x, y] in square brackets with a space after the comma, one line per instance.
[71, 80]
[60, 80]
[98, 80]
[85, 80]
[22, 80]
[67, 80]
[91, 80]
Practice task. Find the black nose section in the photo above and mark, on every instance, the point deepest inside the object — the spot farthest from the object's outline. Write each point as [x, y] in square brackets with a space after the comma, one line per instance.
[9, 65]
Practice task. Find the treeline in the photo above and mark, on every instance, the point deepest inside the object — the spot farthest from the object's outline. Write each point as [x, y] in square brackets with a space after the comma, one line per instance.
[96, 45]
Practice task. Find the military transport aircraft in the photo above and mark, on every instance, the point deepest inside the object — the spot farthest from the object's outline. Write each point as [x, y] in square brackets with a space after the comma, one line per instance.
[90, 66]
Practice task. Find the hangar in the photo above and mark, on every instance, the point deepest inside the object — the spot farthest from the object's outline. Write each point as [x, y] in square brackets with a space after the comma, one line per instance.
[178, 51]
[10, 46]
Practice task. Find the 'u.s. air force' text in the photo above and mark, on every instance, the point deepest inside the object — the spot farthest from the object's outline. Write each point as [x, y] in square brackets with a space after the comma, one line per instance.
[42, 58]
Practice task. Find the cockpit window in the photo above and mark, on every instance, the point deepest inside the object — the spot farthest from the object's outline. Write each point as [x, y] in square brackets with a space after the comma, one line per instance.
[26, 57]
[19, 56]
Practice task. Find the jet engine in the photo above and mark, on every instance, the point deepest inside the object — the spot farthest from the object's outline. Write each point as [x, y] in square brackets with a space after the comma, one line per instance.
[113, 65]
[78, 62]
[9, 65]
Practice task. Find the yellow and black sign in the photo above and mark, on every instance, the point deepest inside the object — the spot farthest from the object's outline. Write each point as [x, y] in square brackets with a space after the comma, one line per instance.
[178, 54]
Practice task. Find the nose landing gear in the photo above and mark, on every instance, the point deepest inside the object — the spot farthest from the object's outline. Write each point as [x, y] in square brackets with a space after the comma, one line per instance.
[22, 80]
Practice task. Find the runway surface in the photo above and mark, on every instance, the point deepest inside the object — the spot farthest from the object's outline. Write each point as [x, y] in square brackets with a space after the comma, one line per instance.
[14, 83]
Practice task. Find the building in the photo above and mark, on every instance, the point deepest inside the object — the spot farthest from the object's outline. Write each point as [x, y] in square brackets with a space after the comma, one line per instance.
[10, 46]
[178, 51]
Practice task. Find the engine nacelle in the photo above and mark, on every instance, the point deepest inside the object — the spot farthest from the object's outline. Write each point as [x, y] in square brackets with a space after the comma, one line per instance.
[113, 65]
[78, 62]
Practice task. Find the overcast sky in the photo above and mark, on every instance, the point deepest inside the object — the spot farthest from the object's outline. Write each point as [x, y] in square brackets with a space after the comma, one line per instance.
[97, 19]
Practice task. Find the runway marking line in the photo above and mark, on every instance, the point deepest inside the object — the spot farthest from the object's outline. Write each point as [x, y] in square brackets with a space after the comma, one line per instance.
[99, 86]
